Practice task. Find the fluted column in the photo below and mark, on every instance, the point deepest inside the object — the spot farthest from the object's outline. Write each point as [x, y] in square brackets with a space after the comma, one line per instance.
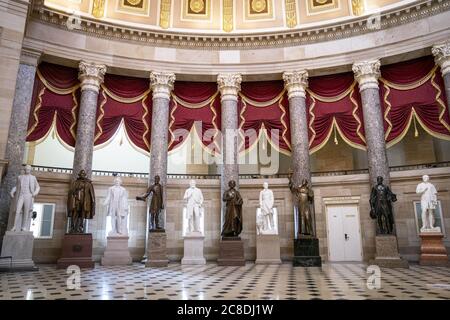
[91, 77]
[229, 86]
[367, 74]
[15, 147]
[161, 84]
[296, 83]
[441, 53]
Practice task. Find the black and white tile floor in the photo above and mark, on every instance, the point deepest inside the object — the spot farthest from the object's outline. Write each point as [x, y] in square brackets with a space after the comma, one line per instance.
[332, 281]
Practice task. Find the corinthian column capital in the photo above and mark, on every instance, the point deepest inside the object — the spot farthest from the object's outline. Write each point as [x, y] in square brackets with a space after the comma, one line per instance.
[296, 83]
[441, 53]
[91, 75]
[162, 84]
[367, 74]
[229, 85]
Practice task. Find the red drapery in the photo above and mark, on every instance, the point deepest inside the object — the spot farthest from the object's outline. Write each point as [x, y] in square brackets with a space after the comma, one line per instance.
[55, 102]
[413, 92]
[334, 103]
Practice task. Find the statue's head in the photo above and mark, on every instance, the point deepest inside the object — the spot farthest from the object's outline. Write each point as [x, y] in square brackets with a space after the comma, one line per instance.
[117, 181]
[157, 179]
[425, 178]
[232, 184]
[27, 169]
[379, 180]
[192, 183]
[82, 174]
[265, 185]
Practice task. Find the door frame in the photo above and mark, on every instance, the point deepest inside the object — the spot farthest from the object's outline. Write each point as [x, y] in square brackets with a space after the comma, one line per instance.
[342, 201]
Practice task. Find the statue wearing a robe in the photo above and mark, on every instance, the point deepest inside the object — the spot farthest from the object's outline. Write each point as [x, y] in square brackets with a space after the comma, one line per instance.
[80, 202]
[232, 226]
[303, 197]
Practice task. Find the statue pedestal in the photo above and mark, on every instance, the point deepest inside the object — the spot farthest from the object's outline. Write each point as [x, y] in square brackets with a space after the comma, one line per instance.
[231, 252]
[193, 249]
[268, 249]
[116, 252]
[306, 252]
[387, 255]
[76, 250]
[157, 249]
[19, 246]
[432, 250]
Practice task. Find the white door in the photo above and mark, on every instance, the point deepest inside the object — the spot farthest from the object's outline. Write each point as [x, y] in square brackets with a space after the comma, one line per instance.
[344, 233]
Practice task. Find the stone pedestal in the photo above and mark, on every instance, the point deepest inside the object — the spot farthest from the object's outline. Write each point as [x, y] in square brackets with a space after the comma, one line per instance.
[387, 253]
[306, 252]
[116, 252]
[193, 249]
[432, 250]
[19, 246]
[157, 250]
[76, 250]
[231, 252]
[268, 249]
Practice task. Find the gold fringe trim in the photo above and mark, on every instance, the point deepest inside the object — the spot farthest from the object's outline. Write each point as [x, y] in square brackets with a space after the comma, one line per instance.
[263, 104]
[387, 111]
[100, 118]
[194, 105]
[333, 99]
[54, 89]
[410, 86]
[355, 108]
[125, 100]
[147, 128]
[36, 110]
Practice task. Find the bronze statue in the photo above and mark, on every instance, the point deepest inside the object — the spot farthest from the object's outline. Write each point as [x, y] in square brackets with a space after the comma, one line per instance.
[303, 197]
[381, 199]
[80, 202]
[232, 226]
[156, 204]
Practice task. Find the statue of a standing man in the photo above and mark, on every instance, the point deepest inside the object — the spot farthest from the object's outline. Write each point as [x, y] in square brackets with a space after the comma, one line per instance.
[232, 226]
[428, 203]
[381, 199]
[304, 198]
[156, 204]
[266, 201]
[117, 208]
[26, 189]
[80, 202]
[194, 201]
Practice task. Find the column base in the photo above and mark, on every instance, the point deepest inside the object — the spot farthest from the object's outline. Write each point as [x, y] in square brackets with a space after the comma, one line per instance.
[157, 249]
[231, 252]
[116, 252]
[193, 250]
[76, 250]
[268, 249]
[18, 246]
[306, 252]
[387, 255]
[432, 250]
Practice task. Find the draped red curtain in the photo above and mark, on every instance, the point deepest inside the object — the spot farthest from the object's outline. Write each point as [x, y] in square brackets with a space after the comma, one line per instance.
[413, 93]
[55, 100]
[334, 104]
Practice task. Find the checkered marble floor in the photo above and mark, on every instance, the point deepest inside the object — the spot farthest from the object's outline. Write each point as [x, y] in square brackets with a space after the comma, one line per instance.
[332, 281]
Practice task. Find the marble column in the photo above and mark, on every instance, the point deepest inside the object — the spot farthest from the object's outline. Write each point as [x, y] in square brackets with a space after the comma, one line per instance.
[161, 84]
[367, 74]
[229, 86]
[91, 77]
[296, 83]
[18, 125]
[441, 53]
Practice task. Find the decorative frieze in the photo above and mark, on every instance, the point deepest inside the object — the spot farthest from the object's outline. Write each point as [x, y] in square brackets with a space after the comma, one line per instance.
[441, 53]
[161, 84]
[91, 75]
[296, 83]
[229, 85]
[367, 74]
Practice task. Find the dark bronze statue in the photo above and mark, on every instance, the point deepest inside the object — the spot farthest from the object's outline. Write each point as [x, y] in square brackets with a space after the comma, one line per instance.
[80, 202]
[303, 197]
[156, 204]
[232, 226]
[381, 199]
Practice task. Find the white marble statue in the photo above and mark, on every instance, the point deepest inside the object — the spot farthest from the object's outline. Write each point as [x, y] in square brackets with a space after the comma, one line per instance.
[266, 214]
[23, 194]
[193, 198]
[428, 203]
[117, 208]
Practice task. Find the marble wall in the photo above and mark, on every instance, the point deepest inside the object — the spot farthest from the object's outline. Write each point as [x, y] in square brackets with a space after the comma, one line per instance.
[54, 187]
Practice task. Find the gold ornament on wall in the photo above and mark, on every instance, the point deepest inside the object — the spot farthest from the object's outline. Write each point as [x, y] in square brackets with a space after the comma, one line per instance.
[134, 2]
[258, 6]
[358, 7]
[197, 6]
[227, 15]
[291, 13]
[164, 16]
[98, 8]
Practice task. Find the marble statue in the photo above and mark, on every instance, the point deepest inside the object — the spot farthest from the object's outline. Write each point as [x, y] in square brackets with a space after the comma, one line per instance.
[381, 198]
[117, 208]
[23, 194]
[232, 226]
[156, 204]
[80, 202]
[428, 203]
[194, 207]
[265, 220]
[304, 197]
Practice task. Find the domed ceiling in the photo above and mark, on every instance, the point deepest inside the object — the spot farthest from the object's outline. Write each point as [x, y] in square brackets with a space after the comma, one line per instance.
[223, 16]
